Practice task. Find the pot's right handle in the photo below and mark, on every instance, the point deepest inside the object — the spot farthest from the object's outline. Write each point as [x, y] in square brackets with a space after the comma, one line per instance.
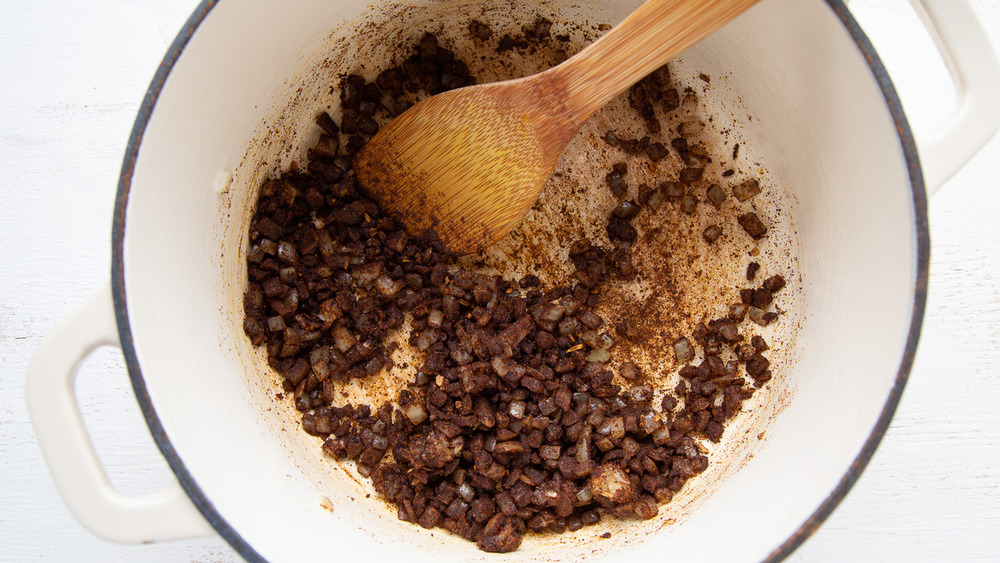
[68, 451]
[974, 68]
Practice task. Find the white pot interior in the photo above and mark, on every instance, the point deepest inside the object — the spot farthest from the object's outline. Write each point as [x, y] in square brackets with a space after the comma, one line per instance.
[787, 78]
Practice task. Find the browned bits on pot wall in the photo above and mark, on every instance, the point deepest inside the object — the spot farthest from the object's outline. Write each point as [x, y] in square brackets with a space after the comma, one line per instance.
[517, 418]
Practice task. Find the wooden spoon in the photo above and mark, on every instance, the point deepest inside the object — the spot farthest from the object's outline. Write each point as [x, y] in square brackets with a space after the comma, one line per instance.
[467, 165]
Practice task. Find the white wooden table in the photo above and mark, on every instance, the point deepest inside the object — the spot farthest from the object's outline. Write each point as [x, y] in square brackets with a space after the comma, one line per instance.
[71, 77]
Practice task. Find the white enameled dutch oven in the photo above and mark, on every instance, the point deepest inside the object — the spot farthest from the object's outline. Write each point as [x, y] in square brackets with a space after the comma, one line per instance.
[230, 104]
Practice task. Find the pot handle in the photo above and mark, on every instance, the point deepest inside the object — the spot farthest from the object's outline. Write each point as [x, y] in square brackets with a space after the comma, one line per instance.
[974, 68]
[68, 451]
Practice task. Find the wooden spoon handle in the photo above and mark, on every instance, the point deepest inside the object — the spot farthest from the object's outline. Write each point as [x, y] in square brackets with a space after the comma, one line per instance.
[652, 35]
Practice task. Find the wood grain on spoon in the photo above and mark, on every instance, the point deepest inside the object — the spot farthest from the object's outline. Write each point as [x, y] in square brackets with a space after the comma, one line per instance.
[467, 165]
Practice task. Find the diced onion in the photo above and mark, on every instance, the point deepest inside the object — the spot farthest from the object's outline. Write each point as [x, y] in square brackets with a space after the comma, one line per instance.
[746, 190]
[612, 427]
[426, 338]
[549, 452]
[656, 200]
[661, 435]
[649, 422]
[343, 338]
[268, 246]
[435, 318]
[275, 323]
[287, 252]
[415, 413]
[552, 312]
[689, 128]
[582, 455]
[466, 492]
[287, 275]
[387, 286]
[517, 409]
[683, 350]
[757, 316]
[599, 355]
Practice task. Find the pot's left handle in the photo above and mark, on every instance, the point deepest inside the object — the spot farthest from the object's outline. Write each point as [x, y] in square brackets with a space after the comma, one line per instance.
[68, 451]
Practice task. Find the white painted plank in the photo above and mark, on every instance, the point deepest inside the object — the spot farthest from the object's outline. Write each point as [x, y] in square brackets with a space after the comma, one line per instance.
[72, 76]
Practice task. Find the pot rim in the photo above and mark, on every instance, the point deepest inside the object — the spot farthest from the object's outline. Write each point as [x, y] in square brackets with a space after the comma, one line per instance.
[804, 531]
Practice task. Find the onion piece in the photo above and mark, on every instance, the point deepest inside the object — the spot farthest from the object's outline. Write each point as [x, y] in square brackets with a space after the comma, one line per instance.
[661, 435]
[287, 275]
[613, 428]
[319, 359]
[689, 203]
[759, 316]
[629, 446]
[255, 255]
[415, 413]
[630, 371]
[276, 323]
[426, 338]
[500, 365]
[683, 350]
[287, 252]
[517, 409]
[689, 128]
[292, 299]
[268, 246]
[435, 318]
[656, 200]
[367, 273]
[466, 492]
[649, 422]
[605, 341]
[712, 233]
[254, 299]
[716, 195]
[626, 210]
[549, 452]
[604, 444]
[387, 286]
[746, 190]
[582, 453]
[596, 418]
[571, 303]
[599, 355]
[552, 312]
[729, 332]
[343, 339]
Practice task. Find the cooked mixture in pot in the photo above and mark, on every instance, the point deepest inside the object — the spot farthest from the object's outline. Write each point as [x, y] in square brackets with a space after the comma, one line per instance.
[524, 412]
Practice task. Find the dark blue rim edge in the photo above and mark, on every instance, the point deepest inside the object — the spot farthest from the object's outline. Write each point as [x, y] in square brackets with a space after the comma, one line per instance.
[804, 531]
[184, 477]
[909, 147]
